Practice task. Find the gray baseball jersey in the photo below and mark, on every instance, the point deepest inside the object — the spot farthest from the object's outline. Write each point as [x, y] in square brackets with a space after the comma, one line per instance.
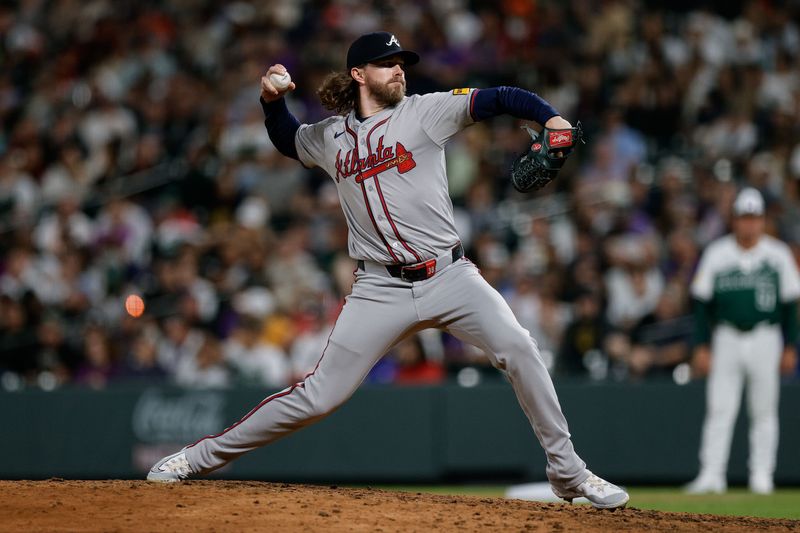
[389, 170]
[390, 174]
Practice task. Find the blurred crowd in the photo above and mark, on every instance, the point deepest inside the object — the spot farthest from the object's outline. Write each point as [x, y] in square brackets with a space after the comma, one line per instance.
[133, 160]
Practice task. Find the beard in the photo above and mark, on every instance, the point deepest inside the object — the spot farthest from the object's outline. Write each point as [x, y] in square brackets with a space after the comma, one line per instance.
[387, 94]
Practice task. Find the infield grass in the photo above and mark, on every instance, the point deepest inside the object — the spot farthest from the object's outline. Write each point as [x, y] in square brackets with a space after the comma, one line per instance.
[784, 503]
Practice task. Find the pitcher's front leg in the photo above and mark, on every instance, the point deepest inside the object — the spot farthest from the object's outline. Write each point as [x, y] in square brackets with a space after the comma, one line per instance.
[469, 307]
[475, 312]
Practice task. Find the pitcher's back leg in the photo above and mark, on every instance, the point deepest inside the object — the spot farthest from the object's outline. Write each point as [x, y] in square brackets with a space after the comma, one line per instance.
[377, 314]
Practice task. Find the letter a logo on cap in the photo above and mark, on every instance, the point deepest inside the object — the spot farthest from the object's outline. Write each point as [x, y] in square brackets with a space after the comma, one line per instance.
[392, 41]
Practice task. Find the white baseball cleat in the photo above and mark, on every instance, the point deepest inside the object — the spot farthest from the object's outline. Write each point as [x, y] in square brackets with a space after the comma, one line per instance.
[706, 485]
[171, 469]
[600, 493]
[761, 484]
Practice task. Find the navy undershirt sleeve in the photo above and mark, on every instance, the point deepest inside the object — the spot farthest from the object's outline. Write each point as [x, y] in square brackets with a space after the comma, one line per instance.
[703, 321]
[512, 101]
[789, 322]
[281, 126]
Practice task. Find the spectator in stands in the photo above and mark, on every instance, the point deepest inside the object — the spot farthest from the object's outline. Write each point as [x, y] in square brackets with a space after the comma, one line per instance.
[413, 367]
[536, 306]
[17, 339]
[204, 368]
[660, 340]
[99, 366]
[69, 173]
[19, 192]
[141, 360]
[124, 230]
[633, 283]
[56, 353]
[180, 341]
[590, 344]
[20, 274]
[254, 361]
[66, 226]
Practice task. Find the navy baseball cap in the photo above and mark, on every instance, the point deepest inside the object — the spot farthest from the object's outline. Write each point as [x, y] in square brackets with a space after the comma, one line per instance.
[371, 47]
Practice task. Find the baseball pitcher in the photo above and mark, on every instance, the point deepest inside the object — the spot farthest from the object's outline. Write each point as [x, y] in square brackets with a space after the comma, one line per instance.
[746, 291]
[385, 152]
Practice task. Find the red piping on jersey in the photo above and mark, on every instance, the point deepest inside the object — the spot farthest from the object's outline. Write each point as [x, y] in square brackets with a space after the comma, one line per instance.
[277, 395]
[389, 218]
[351, 132]
[372, 217]
[366, 199]
[383, 201]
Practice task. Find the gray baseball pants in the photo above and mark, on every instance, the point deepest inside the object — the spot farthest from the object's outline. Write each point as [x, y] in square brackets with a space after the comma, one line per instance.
[381, 311]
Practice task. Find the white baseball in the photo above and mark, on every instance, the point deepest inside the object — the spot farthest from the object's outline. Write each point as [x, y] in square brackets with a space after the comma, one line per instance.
[280, 81]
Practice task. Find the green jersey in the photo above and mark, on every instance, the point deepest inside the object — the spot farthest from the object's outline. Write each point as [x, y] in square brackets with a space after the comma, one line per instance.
[745, 288]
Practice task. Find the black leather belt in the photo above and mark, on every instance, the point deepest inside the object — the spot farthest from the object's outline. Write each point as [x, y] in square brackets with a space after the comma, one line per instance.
[418, 271]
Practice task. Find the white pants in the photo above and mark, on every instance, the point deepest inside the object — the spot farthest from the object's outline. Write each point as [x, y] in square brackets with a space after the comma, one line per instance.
[740, 358]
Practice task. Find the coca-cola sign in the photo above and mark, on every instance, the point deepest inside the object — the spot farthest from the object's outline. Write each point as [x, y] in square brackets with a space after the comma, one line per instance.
[160, 417]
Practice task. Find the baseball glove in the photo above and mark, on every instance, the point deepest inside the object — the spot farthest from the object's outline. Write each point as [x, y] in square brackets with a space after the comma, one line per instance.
[540, 165]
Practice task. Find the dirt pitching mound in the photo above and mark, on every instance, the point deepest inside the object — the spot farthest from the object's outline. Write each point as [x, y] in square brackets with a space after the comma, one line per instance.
[234, 506]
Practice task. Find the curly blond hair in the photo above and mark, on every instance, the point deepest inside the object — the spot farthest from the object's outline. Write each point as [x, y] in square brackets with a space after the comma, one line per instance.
[339, 92]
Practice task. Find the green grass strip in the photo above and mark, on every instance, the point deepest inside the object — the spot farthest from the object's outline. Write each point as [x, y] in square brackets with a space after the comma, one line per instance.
[783, 503]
